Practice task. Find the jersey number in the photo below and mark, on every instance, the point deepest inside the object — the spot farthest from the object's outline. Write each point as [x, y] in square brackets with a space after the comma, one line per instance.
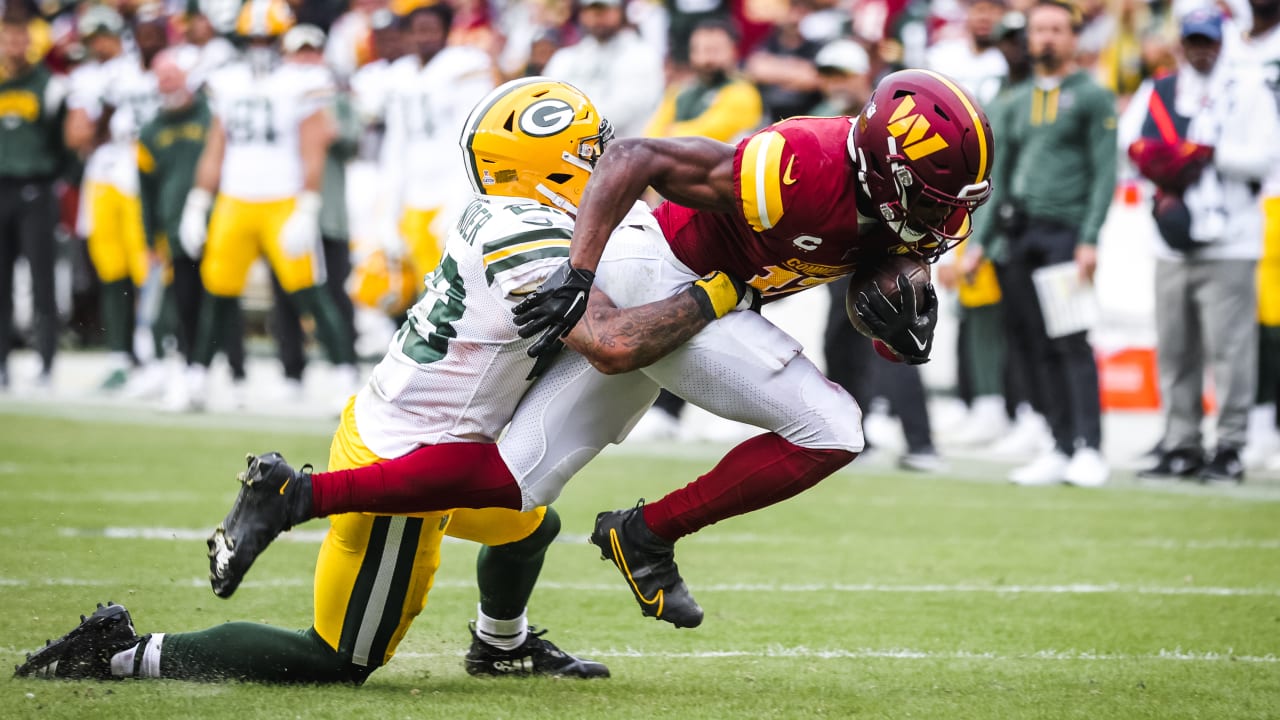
[251, 120]
[779, 281]
[428, 348]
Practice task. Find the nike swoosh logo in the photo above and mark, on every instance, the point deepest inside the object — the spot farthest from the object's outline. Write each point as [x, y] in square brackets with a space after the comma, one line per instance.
[919, 345]
[621, 562]
[285, 485]
[786, 176]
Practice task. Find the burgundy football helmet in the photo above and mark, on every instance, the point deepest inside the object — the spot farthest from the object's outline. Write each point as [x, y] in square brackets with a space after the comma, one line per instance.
[923, 148]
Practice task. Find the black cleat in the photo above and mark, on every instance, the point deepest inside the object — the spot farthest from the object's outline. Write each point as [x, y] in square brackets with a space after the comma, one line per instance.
[84, 653]
[535, 657]
[1225, 466]
[1179, 463]
[647, 562]
[273, 498]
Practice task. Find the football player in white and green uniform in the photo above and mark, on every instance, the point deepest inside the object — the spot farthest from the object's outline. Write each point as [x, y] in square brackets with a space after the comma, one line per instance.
[453, 374]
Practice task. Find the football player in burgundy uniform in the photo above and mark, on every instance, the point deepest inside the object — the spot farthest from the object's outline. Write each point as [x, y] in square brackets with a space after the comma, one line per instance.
[795, 205]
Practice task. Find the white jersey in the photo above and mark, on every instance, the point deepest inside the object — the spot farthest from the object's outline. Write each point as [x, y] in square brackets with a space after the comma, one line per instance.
[456, 369]
[201, 61]
[981, 73]
[426, 107]
[125, 89]
[1260, 55]
[260, 117]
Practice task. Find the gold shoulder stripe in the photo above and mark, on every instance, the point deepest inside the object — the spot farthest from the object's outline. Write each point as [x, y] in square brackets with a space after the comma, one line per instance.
[761, 180]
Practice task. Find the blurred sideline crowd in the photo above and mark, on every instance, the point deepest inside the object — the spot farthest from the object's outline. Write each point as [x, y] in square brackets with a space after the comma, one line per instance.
[151, 153]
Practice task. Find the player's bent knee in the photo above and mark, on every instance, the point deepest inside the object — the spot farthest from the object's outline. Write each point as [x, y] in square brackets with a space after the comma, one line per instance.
[536, 542]
[336, 666]
[831, 418]
[542, 489]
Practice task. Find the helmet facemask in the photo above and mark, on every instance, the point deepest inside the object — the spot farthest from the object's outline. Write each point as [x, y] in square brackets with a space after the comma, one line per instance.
[933, 220]
[589, 150]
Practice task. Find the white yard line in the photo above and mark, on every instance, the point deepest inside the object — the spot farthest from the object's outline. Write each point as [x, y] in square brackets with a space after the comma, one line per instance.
[783, 588]
[314, 536]
[906, 654]
[805, 653]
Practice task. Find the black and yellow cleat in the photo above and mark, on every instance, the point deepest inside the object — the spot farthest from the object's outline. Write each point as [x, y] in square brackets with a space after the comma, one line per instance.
[273, 498]
[647, 563]
[535, 656]
[84, 653]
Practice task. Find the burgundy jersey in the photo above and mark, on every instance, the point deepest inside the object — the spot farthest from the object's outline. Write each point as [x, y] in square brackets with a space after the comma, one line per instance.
[796, 224]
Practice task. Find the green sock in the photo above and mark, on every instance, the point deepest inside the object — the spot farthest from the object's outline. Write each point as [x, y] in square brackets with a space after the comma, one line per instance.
[330, 330]
[1268, 364]
[985, 349]
[117, 315]
[217, 321]
[507, 573]
[250, 651]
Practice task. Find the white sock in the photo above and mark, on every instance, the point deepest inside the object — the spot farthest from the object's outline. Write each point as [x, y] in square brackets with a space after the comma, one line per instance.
[502, 634]
[126, 664]
[122, 662]
[1262, 419]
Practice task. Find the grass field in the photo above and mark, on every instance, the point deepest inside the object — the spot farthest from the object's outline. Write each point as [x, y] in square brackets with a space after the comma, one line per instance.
[877, 594]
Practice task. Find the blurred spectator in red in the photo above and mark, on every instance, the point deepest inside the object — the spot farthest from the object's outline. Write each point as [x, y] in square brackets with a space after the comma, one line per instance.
[716, 102]
[783, 68]
[613, 66]
[473, 25]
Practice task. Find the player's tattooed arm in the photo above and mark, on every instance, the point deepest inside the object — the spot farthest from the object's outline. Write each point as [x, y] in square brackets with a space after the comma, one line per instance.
[618, 340]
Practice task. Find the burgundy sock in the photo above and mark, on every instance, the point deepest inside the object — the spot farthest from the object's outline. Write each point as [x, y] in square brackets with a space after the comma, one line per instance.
[431, 478]
[758, 473]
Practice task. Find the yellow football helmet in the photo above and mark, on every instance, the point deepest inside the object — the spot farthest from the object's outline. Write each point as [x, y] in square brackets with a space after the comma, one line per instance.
[535, 138]
[382, 284]
[264, 19]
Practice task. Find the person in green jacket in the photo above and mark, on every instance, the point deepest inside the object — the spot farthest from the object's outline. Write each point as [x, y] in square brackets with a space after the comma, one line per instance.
[1053, 178]
[32, 109]
[168, 148]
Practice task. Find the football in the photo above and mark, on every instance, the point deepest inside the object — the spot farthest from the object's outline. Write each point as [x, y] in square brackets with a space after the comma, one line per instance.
[884, 275]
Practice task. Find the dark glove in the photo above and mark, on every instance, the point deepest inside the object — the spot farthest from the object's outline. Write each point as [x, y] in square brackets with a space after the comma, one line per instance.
[907, 330]
[554, 308]
[719, 294]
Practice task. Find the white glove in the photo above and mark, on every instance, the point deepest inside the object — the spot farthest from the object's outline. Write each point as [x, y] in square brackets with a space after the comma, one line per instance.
[301, 232]
[194, 225]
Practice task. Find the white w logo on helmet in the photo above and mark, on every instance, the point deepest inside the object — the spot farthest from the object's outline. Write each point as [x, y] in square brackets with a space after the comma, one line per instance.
[546, 117]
